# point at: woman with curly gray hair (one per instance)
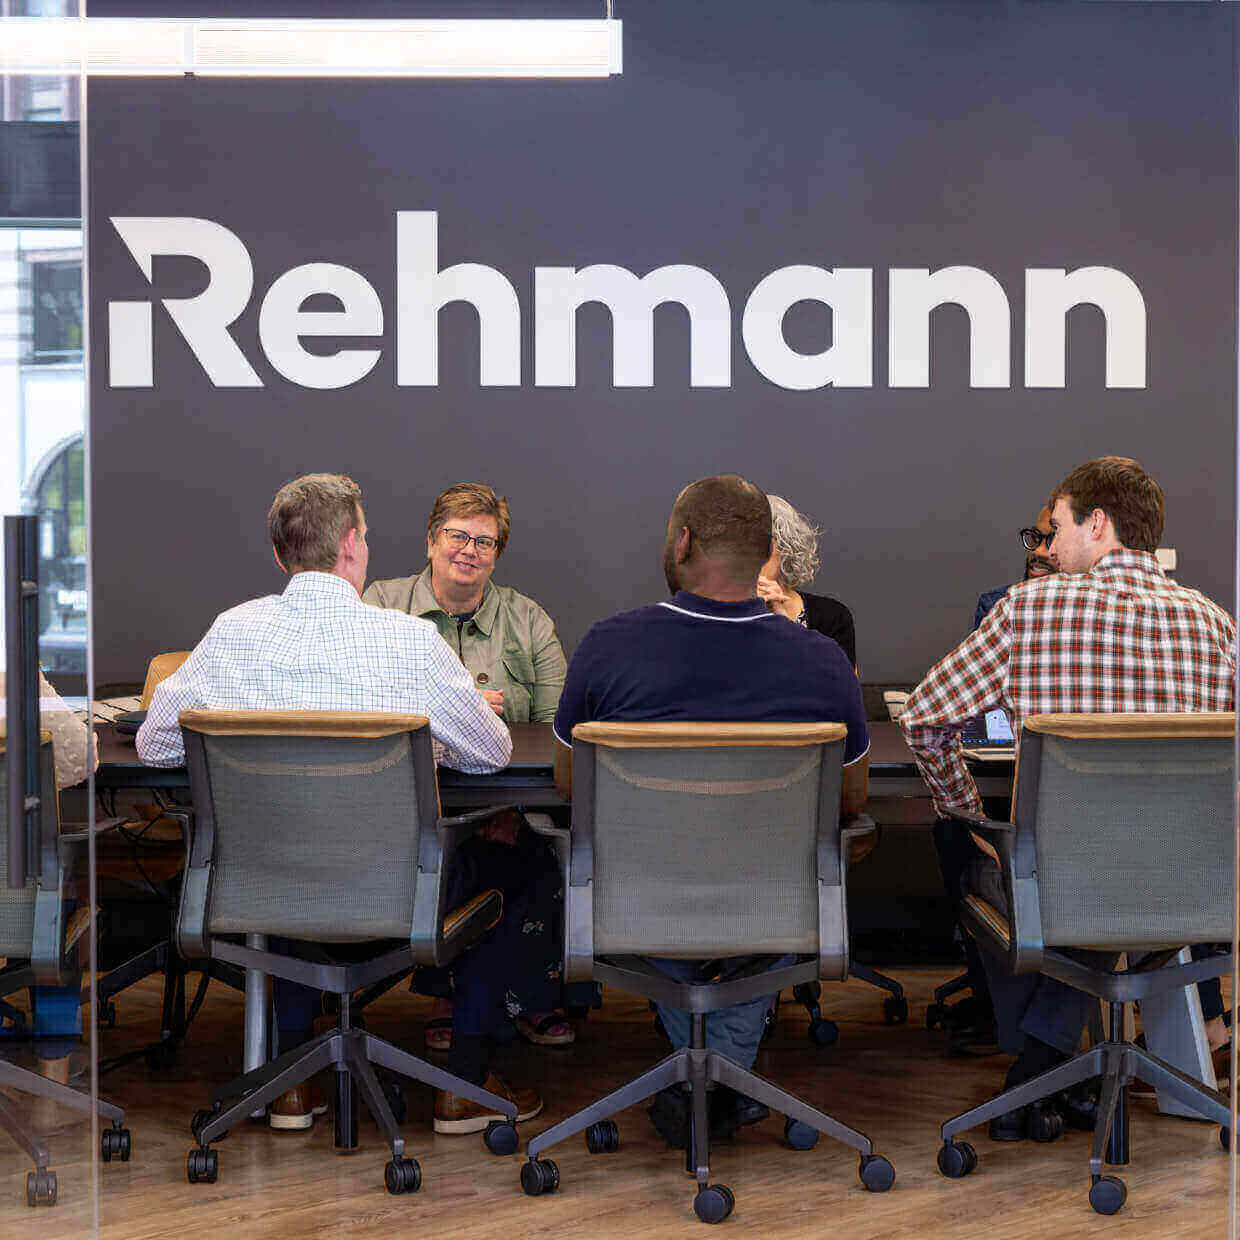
(793, 563)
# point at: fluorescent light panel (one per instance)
(141, 47)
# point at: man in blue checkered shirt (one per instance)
(317, 646)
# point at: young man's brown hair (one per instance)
(1124, 491)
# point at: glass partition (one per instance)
(48, 1137)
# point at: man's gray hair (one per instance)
(796, 540)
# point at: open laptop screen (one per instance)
(990, 730)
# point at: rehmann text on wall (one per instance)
(422, 289)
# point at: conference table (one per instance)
(898, 799)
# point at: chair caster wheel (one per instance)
(538, 1176)
(714, 1203)
(203, 1116)
(957, 1159)
(114, 1143)
(936, 1016)
(800, 1136)
(501, 1137)
(40, 1188)
(895, 1010)
(824, 1032)
(876, 1173)
(603, 1137)
(1224, 1138)
(402, 1175)
(1107, 1194)
(202, 1166)
(161, 1056)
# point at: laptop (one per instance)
(989, 736)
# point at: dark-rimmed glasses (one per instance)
(459, 540)
(1031, 538)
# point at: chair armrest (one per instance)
(47, 945)
(833, 853)
(195, 901)
(69, 840)
(452, 831)
(465, 925)
(1024, 912)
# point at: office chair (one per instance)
(1119, 825)
(705, 841)
(32, 929)
(323, 827)
(161, 957)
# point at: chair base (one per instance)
(41, 1190)
(1116, 1062)
(698, 1067)
(175, 1019)
(354, 1054)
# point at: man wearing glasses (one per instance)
(1109, 631)
(1035, 539)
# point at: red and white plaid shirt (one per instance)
(1121, 637)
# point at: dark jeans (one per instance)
(1031, 1004)
(516, 967)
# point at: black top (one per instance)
(698, 658)
(830, 617)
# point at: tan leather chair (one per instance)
(160, 668)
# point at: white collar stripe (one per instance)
(701, 615)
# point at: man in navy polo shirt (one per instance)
(714, 651)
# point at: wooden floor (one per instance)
(893, 1083)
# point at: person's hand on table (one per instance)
(494, 698)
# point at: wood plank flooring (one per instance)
(894, 1083)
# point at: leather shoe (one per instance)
(455, 1115)
(1039, 1121)
(295, 1109)
(671, 1110)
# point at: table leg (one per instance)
(256, 1017)
(1175, 1031)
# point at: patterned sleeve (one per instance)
(72, 751)
(549, 667)
(159, 739)
(961, 685)
(473, 736)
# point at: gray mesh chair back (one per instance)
(705, 836)
(280, 791)
(715, 842)
(1132, 817)
(17, 905)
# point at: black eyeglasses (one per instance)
(1031, 538)
(460, 540)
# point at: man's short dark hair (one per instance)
(308, 518)
(1124, 491)
(728, 517)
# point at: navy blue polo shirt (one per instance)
(695, 658)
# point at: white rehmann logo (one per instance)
(422, 289)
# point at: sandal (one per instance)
(439, 1033)
(549, 1029)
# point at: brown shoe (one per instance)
(455, 1115)
(294, 1110)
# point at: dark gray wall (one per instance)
(740, 138)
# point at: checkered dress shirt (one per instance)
(317, 646)
(1121, 637)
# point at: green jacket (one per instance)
(509, 643)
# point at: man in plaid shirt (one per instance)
(1108, 632)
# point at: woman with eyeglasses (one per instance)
(505, 639)
(508, 643)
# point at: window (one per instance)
(56, 311)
